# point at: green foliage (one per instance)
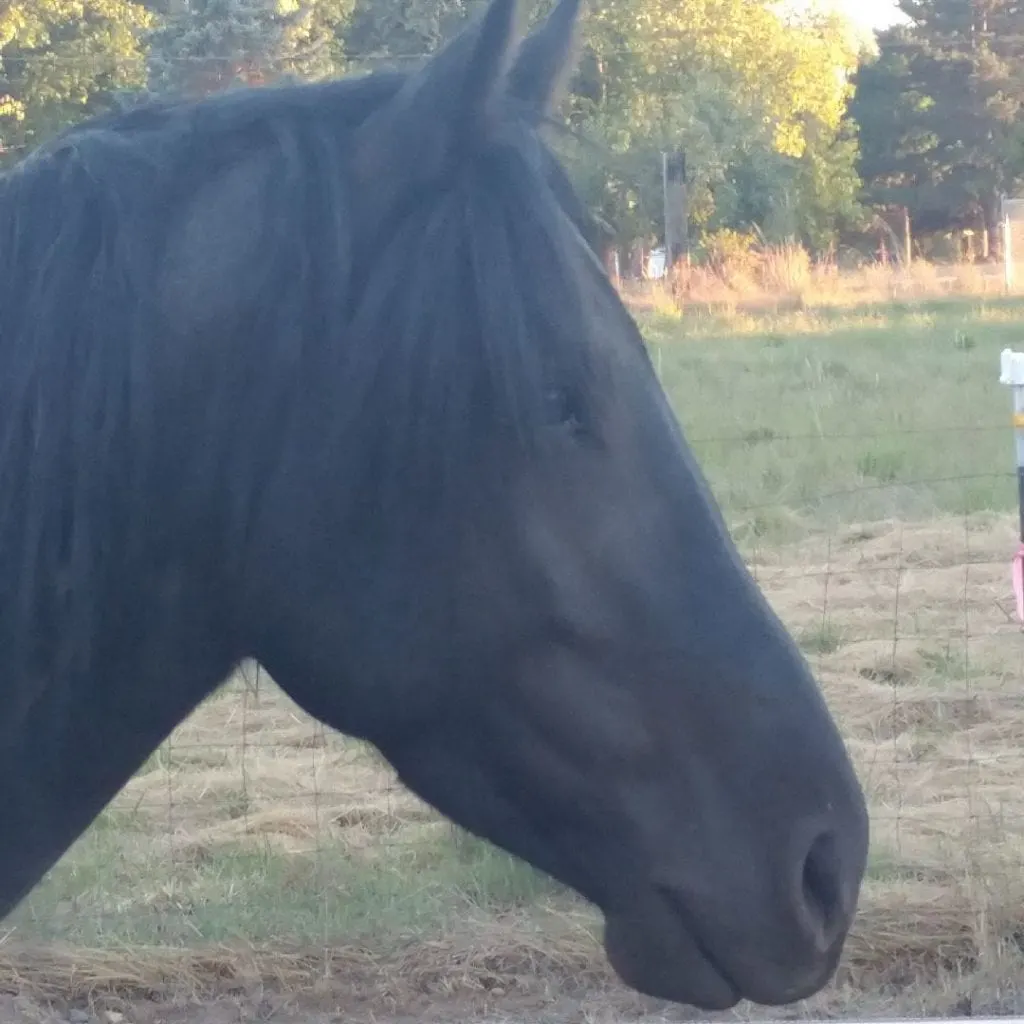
(206, 45)
(728, 248)
(63, 59)
(756, 102)
(785, 74)
(404, 28)
(940, 112)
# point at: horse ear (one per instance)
(546, 59)
(446, 106)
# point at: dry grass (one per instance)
(784, 278)
(259, 856)
(909, 627)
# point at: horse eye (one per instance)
(564, 409)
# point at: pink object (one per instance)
(1018, 581)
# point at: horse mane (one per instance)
(424, 356)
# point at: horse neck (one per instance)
(83, 735)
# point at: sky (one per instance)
(869, 13)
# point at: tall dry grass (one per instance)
(752, 277)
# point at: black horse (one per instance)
(329, 376)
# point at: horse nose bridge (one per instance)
(804, 785)
(774, 755)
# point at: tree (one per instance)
(205, 45)
(729, 81)
(399, 30)
(757, 103)
(813, 197)
(940, 112)
(61, 60)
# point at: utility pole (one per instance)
(677, 236)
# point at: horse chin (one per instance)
(656, 947)
(660, 958)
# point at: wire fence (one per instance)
(254, 823)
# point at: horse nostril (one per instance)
(822, 893)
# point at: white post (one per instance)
(1011, 373)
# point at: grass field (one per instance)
(864, 459)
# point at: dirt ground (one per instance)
(546, 1005)
(280, 1010)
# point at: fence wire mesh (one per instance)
(253, 823)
